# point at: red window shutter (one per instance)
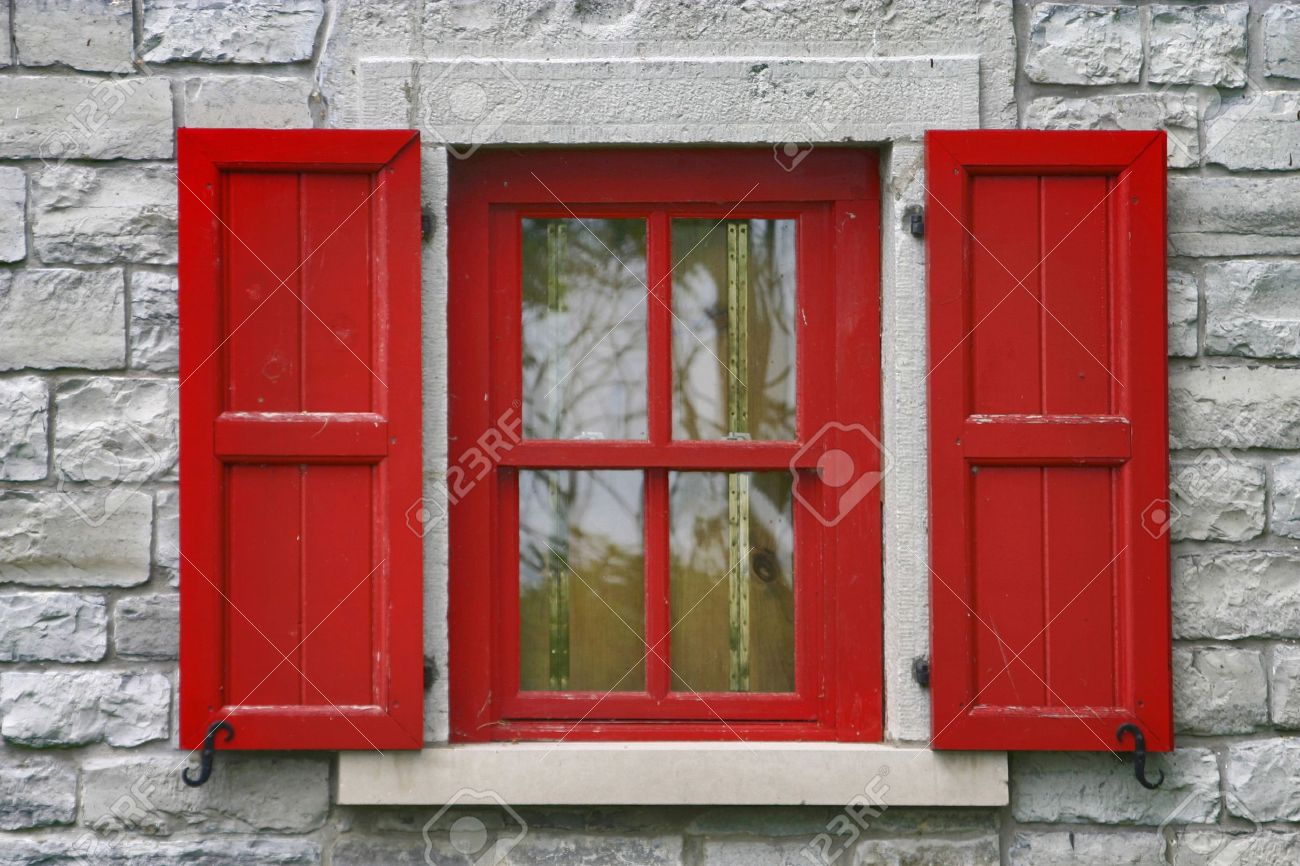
(300, 427)
(1048, 461)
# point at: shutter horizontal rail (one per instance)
(1046, 440)
(355, 437)
(1107, 718)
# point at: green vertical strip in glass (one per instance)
(557, 558)
(738, 427)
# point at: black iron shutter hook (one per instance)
(1139, 756)
(205, 757)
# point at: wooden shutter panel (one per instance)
(300, 426)
(1048, 463)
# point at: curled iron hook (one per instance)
(205, 757)
(1139, 756)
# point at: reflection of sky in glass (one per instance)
(582, 626)
(702, 571)
(698, 524)
(604, 514)
(584, 347)
(584, 322)
(700, 377)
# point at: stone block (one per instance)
(1198, 45)
(1216, 496)
(1093, 787)
(95, 36)
(59, 317)
(13, 215)
(1219, 690)
(155, 323)
(238, 31)
(248, 100)
(1252, 308)
(57, 117)
(147, 626)
(84, 215)
(74, 538)
(52, 626)
(249, 793)
(24, 420)
(1236, 594)
(115, 432)
(1075, 43)
(73, 708)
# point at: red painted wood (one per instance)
(1047, 439)
(855, 666)
(837, 607)
(301, 586)
(1050, 601)
(268, 436)
(659, 383)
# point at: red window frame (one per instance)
(834, 195)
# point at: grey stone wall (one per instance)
(91, 92)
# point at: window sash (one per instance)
(827, 273)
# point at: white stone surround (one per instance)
(882, 103)
(633, 774)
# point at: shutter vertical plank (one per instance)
(337, 335)
(337, 596)
(261, 317)
(1080, 580)
(264, 569)
(1005, 339)
(301, 587)
(1004, 321)
(1008, 602)
(1050, 599)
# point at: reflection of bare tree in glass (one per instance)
(584, 371)
(700, 557)
(584, 368)
(701, 373)
(584, 362)
(771, 327)
(601, 539)
(734, 378)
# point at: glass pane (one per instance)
(732, 560)
(581, 581)
(734, 329)
(584, 328)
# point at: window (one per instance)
(663, 407)
(663, 418)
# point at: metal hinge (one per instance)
(921, 671)
(914, 219)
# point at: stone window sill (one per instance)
(675, 774)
